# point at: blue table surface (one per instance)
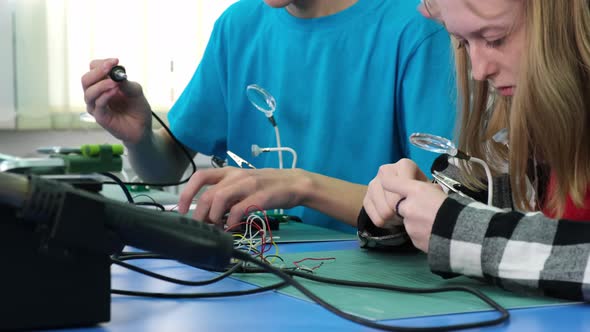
(272, 311)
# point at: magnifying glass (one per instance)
(438, 144)
(262, 100)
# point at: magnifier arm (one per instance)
(279, 146)
(489, 176)
(256, 150)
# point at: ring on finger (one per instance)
(397, 207)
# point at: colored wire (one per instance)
(296, 263)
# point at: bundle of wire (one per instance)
(256, 238)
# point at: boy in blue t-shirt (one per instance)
(352, 79)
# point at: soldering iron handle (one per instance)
(171, 234)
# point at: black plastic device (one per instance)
(55, 243)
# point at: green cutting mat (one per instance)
(405, 269)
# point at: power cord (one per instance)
(285, 275)
(184, 151)
(127, 193)
(199, 295)
(121, 184)
(130, 256)
(120, 262)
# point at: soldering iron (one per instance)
(118, 74)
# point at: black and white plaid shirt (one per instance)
(523, 252)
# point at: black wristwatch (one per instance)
(373, 237)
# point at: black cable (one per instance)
(145, 195)
(184, 151)
(288, 274)
(402, 289)
(119, 74)
(158, 205)
(125, 255)
(411, 290)
(199, 295)
(130, 198)
(180, 145)
(121, 184)
(120, 262)
(130, 256)
(369, 323)
(152, 203)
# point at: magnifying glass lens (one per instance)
(433, 143)
(85, 117)
(261, 99)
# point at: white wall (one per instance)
(7, 102)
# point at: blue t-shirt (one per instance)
(349, 88)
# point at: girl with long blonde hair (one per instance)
(523, 67)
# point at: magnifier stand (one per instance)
(437, 144)
(256, 150)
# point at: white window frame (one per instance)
(7, 81)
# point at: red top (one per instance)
(571, 212)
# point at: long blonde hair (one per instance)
(548, 117)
